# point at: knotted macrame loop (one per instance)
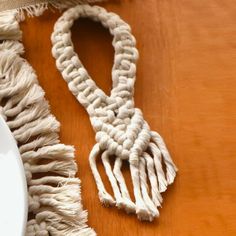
(121, 131)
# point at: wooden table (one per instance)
(186, 88)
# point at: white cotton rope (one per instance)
(54, 196)
(121, 131)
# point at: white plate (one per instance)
(13, 188)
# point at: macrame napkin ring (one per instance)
(121, 131)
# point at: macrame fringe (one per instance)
(54, 191)
(155, 167)
(9, 27)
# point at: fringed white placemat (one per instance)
(53, 190)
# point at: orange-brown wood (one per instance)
(186, 88)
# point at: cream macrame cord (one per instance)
(121, 130)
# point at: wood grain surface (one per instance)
(186, 88)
